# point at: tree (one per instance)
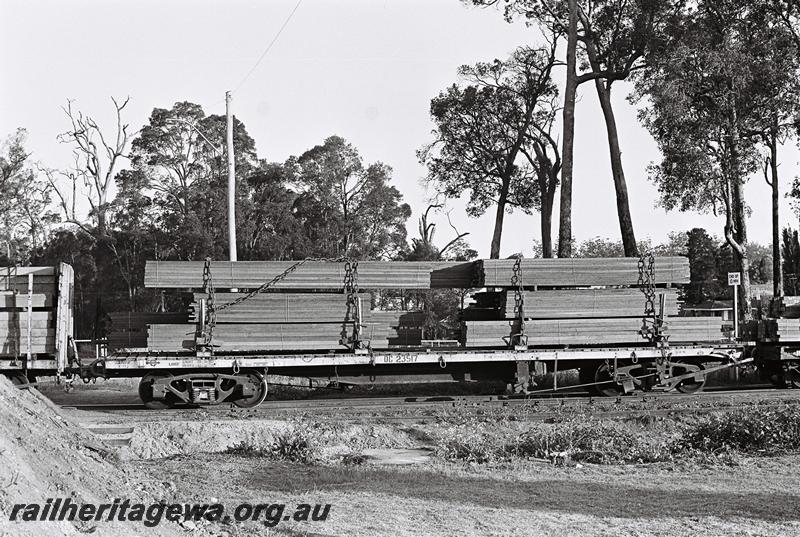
(704, 94)
(96, 157)
(269, 229)
(179, 164)
(441, 306)
(568, 127)
(547, 165)
(774, 25)
(701, 249)
(424, 249)
(791, 260)
(25, 213)
(600, 247)
(484, 136)
(345, 208)
(614, 37)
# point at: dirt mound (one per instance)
(45, 455)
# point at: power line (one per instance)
(274, 39)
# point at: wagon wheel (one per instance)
(146, 393)
(609, 388)
(258, 386)
(689, 385)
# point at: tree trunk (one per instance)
(565, 208)
(740, 224)
(617, 172)
(620, 186)
(498, 220)
(101, 218)
(777, 265)
(547, 224)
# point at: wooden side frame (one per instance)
(64, 315)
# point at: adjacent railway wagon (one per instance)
(617, 320)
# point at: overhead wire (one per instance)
(269, 46)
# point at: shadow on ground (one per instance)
(574, 495)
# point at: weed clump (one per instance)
(293, 444)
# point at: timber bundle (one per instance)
(579, 302)
(565, 302)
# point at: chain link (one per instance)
(519, 304)
(353, 314)
(212, 309)
(650, 331)
(210, 320)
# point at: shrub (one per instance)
(470, 446)
(292, 444)
(757, 430)
(246, 449)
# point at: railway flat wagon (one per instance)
(347, 322)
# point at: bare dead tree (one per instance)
(96, 160)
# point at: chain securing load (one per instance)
(353, 315)
(353, 304)
(518, 337)
(668, 375)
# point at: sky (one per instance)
(362, 69)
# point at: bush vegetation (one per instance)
(756, 430)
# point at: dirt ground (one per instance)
(188, 461)
(758, 498)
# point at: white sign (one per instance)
(734, 278)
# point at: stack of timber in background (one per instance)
(580, 302)
(28, 300)
(128, 330)
(305, 311)
(785, 330)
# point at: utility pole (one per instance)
(231, 180)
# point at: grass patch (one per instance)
(756, 430)
(576, 438)
(716, 438)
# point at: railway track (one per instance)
(438, 407)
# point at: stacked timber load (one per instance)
(381, 328)
(587, 303)
(580, 272)
(580, 302)
(581, 332)
(306, 310)
(128, 330)
(28, 310)
(251, 336)
(310, 275)
(281, 307)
